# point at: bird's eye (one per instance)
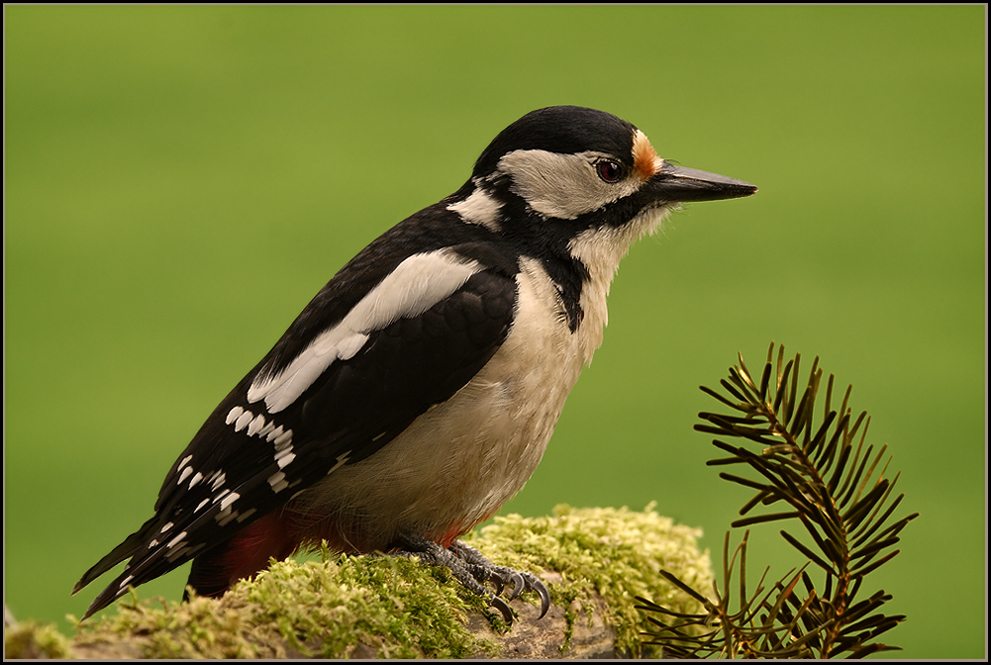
(609, 170)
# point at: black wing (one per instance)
(253, 454)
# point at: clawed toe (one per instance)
(504, 609)
(518, 583)
(545, 596)
(473, 570)
(484, 571)
(530, 582)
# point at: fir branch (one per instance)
(834, 485)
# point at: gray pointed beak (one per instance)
(679, 184)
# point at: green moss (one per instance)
(616, 552)
(395, 607)
(382, 606)
(31, 640)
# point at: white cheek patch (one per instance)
(564, 186)
(416, 285)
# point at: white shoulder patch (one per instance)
(416, 285)
(479, 208)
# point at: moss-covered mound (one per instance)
(594, 560)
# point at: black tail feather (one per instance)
(127, 549)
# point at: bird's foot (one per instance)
(473, 570)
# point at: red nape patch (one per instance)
(242, 555)
(645, 159)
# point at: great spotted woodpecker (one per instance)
(416, 393)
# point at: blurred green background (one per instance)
(180, 181)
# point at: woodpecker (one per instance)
(416, 393)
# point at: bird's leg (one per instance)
(472, 570)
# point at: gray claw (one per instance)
(545, 597)
(498, 583)
(519, 584)
(504, 609)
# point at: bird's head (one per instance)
(581, 176)
(569, 161)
